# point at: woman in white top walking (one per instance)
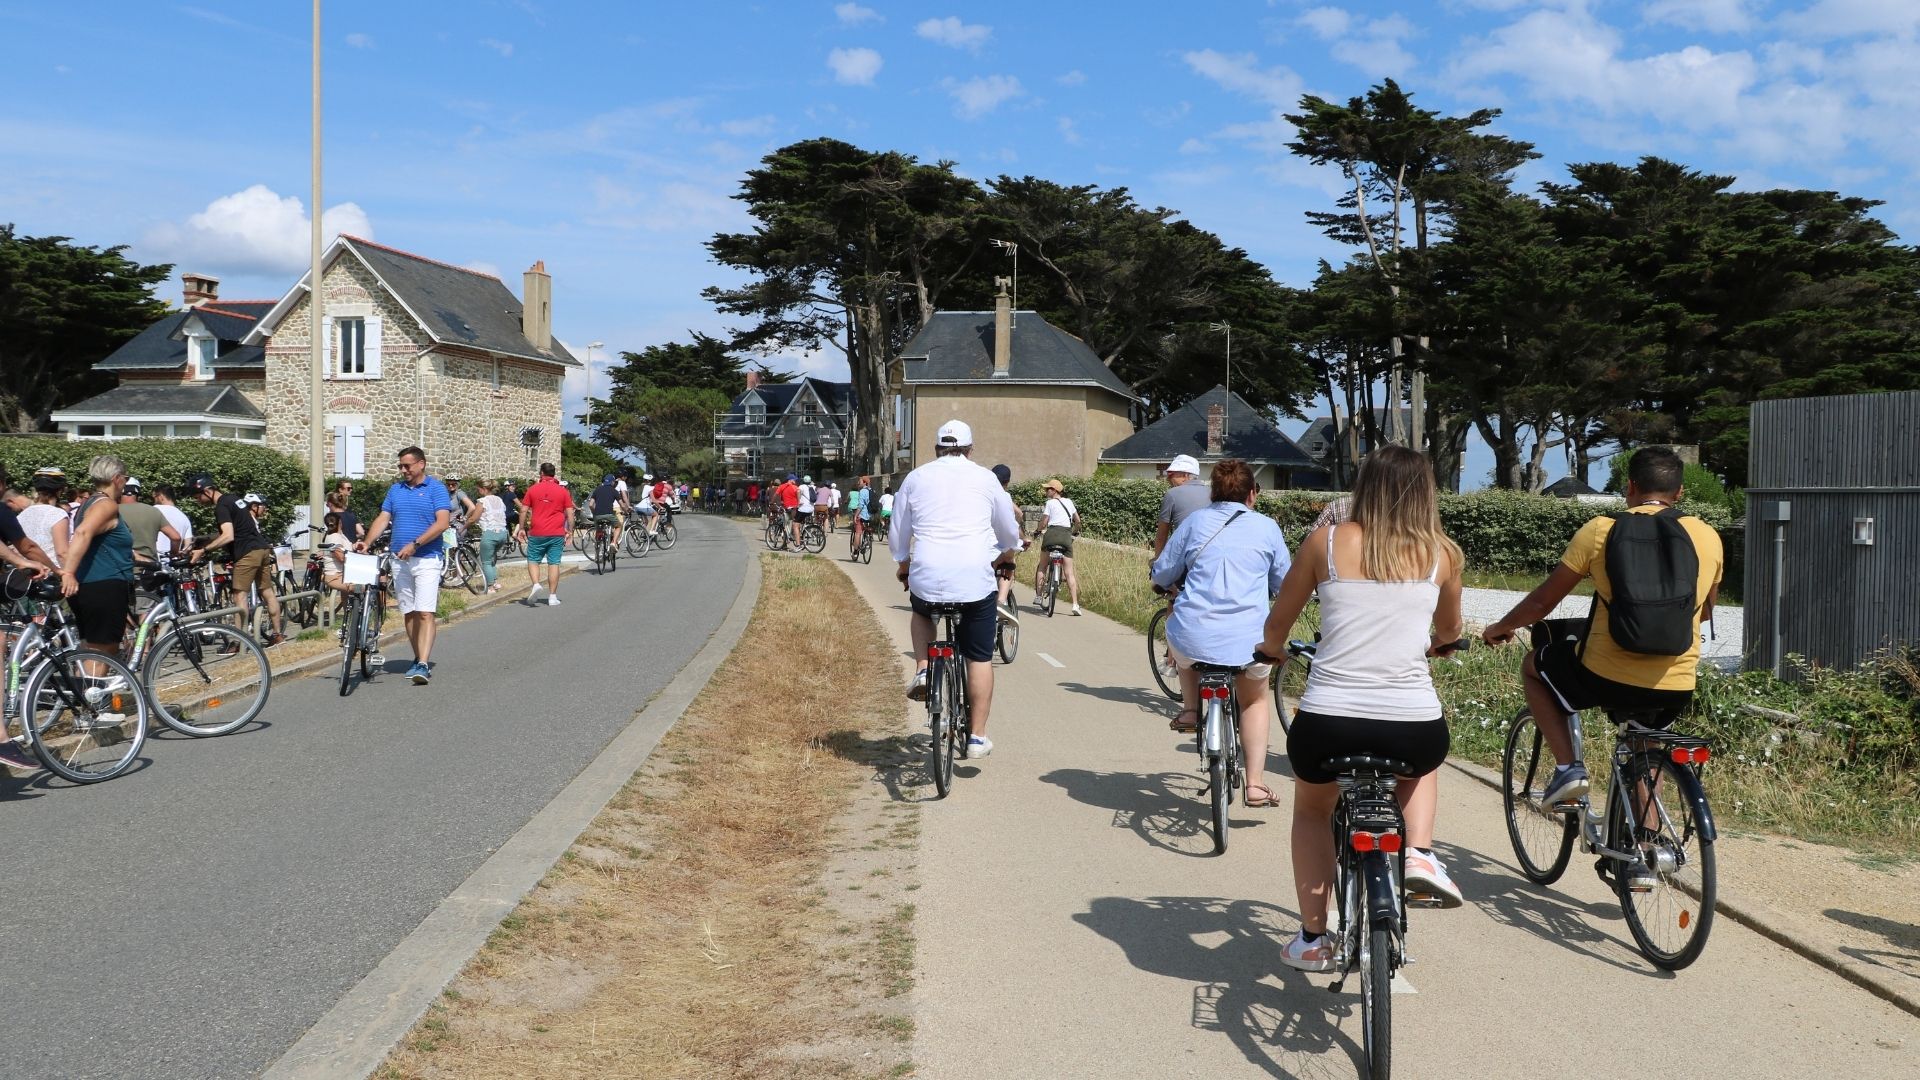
(1389, 585)
(493, 533)
(1056, 530)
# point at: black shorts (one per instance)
(100, 611)
(978, 620)
(1558, 663)
(1315, 737)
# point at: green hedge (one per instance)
(235, 467)
(1498, 530)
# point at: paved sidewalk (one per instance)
(1072, 923)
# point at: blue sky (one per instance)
(606, 138)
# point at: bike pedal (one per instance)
(1424, 900)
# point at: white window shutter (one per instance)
(356, 458)
(373, 346)
(339, 451)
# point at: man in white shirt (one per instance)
(163, 502)
(952, 524)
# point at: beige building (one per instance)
(418, 353)
(1038, 399)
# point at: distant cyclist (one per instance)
(462, 510)
(1004, 474)
(1058, 522)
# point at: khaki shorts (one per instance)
(255, 567)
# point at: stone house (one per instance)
(421, 353)
(1037, 398)
(770, 430)
(1217, 424)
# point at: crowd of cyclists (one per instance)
(1388, 582)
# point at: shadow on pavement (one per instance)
(1280, 1019)
(1541, 911)
(1147, 701)
(1164, 809)
(899, 762)
(1899, 935)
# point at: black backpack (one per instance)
(1655, 573)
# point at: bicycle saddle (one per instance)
(1217, 669)
(1641, 721)
(946, 607)
(47, 589)
(1056, 549)
(1365, 763)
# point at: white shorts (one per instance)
(416, 583)
(1251, 671)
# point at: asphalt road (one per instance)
(194, 917)
(1100, 938)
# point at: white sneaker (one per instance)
(1301, 956)
(1427, 878)
(553, 601)
(534, 594)
(1076, 609)
(917, 691)
(978, 746)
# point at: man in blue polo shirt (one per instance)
(419, 510)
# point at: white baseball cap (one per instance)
(1185, 463)
(954, 433)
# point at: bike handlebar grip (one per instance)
(1262, 658)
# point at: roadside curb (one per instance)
(1767, 922)
(362, 1028)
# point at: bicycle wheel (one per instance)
(375, 618)
(1219, 784)
(866, 549)
(1052, 592)
(813, 539)
(1287, 683)
(636, 541)
(451, 572)
(206, 680)
(940, 736)
(1159, 657)
(669, 533)
(349, 644)
(470, 569)
(1670, 917)
(776, 538)
(85, 727)
(1376, 1003)
(1542, 839)
(1007, 640)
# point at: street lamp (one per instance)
(1227, 328)
(591, 345)
(1012, 247)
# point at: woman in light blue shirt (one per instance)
(1228, 561)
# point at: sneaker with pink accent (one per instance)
(1301, 955)
(1427, 881)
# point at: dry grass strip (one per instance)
(691, 931)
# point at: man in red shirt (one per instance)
(789, 495)
(545, 507)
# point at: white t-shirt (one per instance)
(493, 514)
(886, 502)
(806, 499)
(953, 519)
(833, 498)
(332, 542)
(38, 520)
(620, 489)
(1060, 511)
(176, 518)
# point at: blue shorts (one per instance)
(978, 621)
(545, 549)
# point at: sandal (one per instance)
(1265, 800)
(1189, 727)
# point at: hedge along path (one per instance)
(738, 909)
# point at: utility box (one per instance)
(1833, 537)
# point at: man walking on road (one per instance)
(545, 506)
(418, 508)
(952, 524)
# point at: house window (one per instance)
(754, 461)
(224, 431)
(530, 442)
(353, 346)
(201, 353)
(91, 431)
(153, 431)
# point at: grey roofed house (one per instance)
(957, 347)
(773, 428)
(1568, 487)
(163, 346)
(163, 402)
(1248, 434)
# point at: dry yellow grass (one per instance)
(689, 931)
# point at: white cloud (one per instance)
(982, 94)
(1068, 132)
(753, 125)
(1371, 45)
(854, 67)
(1242, 74)
(1072, 78)
(854, 14)
(1327, 22)
(955, 34)
(255, 231)
(360, 41)
(1196, 146)
(1851, 18)
(504, 48)
(1716, 16)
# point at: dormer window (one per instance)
(201, 353)
(756, 411)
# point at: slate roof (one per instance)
(455, 305)
(168, 399)
(1317, 440)
(836, 396)
(1567, 487)
(163, 346)
(957, 346)
(1250, 436)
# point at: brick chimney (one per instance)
(199, 289)
(536, 306)
(1216, 430)
(1002, 330)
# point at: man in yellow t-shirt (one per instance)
(1562, 677)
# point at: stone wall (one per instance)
(1036, 430)
(442, 400)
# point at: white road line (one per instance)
(1401, 985)
(1049, 659)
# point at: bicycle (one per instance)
(201, 678)
(1006, 630)
(813, 539)
(1049, 590)
(81, 712)
(1218, 738)
(1289, 680)
(365, 614)
(1159, 654)
(1654, 851)
(949, 721)
(462, 566)
(606, 547)
(778, 537)
(666, 534)
(861, 551)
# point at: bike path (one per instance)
(1071, 922)
(194, 917)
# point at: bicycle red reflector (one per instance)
(1696, 755)
(1365, 841)
(1390, 842)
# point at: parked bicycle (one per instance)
(360, 625)
(201, 678)
(1653, 836)
(460, 566)
(81, 712)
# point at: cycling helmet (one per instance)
(198, 483)
(607, 479)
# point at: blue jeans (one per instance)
(489, 544)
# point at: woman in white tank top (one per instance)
(1389, 585)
